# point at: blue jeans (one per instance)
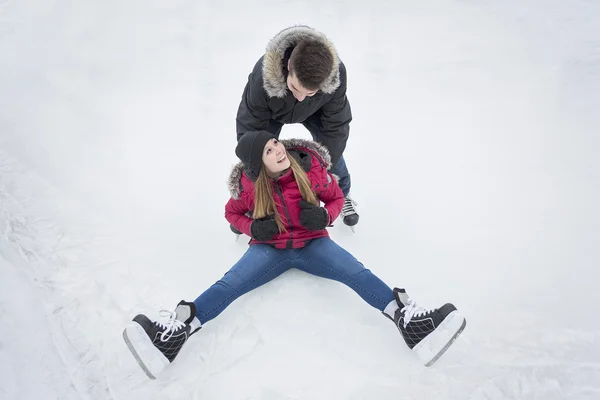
(341, 171)
(261, 263)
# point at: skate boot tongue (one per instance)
(411, 309)
(170, 323)
(185, 311)
(401, 297)
(408, 307)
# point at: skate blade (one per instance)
(437, 342)
(150, 359)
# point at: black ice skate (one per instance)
(429, 333)
(349, 214)
(155, 344)
(234, 230)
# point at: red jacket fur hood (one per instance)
(315, 160)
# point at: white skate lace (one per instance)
(170, 324)
(412, 310)
(348, 208)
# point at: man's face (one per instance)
(299, 92)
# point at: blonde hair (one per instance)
(264, 203)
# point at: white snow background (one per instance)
(474, 153)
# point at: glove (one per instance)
(263, 229)
(313, 217)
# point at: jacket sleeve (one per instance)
(253, 112)
(335, 120)
(235, 213)
(333, 198)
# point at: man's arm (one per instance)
(335, 120)
(253, 113)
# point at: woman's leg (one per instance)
(260, 264)
(324, 258)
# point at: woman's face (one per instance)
(275, 157)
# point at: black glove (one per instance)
(263, 229)
(313, 217)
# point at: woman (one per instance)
(275, 199)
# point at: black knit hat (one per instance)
(250, 149)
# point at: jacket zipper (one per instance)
(290, 242)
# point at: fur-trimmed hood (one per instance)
(274, 80)
(235, 177)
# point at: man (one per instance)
(301, 79)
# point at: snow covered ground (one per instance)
(474, 154)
